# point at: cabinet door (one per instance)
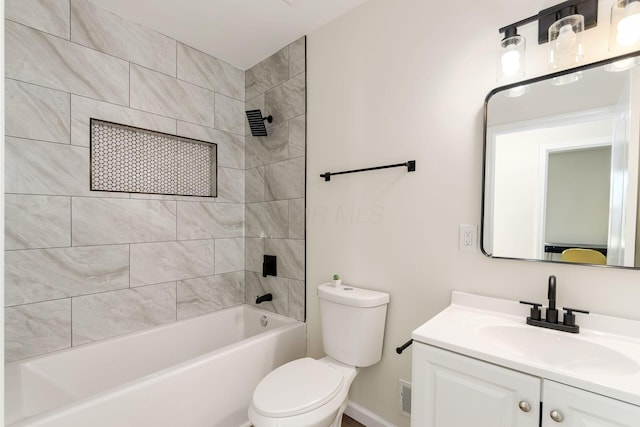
(579, 408)
(450, 390)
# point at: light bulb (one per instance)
(629, 26)
(511, 57)
(566, 38)
(510, 62)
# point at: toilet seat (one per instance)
(297, 387)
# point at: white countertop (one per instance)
(603, 358)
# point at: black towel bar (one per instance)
(410, 165)
(403, 347)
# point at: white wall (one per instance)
(395, 80)
(521, 180)
(577, 209)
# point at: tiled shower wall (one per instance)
(275, 180)
(83, 266)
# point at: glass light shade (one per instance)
(566, 79)
(511, 58)
(565, 42)
(622, 65)
(516, 91)
(625, 25)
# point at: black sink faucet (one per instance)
(552, 312)
(551, 319)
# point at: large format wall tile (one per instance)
(296, 218)
(50, 16)
(267, 74)
(254, 185)
(36, 329)
(46, 274)
(284, 180)
(107, 32)
(229, 255)
(230, 146)
(83, 109)
(263, 150)
(230, 114)
(169, 261)
(69, 67)
(230, 185)
(253, 254)
(109, 221)
(297, 137)
(36, 112)
(287, 100)
(206, 294)
(296, 299)
(108, 314)
(204, 70)
(35, 167)
(158, 93)
(297, 57)
(36, 221)
(270, 219)
(209, 220)
(256, 285)
(290, 255)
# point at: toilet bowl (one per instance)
(314, 393)
(305, 392)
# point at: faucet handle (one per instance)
(535, 310)
(570, 318)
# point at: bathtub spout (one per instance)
(263, 298)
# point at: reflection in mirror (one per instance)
(561, 167)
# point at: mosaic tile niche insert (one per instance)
(133, 160)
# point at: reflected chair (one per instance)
(583, 256)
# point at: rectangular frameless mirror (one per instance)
(561, 160)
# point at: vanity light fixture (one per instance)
(565, 38)
(511, 55)
(561, 25)
(625, 24)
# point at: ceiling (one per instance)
(240, 32)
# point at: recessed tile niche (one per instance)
(133, 160)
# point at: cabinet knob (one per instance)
(556, 416)
(524, 406)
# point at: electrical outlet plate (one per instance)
(468, 238)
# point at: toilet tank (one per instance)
(352, 321)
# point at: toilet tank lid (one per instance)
(352, 296)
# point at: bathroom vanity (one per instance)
(477, 363)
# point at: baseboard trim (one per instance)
(366, 417)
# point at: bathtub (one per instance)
(191, 373)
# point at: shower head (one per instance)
(256, 122)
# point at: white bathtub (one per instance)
(196, 372)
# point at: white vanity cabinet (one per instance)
(451, 390)
(580, 408)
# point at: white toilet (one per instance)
(313, 393)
